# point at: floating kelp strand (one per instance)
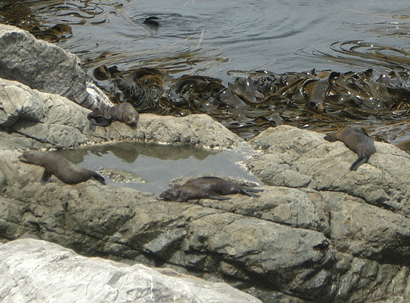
(88, 10)
(364, 54)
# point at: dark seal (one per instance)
(152, 21)
(357, 140)
(123, 112)
(206, 187)
(56, 165)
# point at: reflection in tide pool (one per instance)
(157, 165)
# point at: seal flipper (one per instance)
(362, 159)
(99, 120)
(45, 177)
(217, 198)
(253, 190)
(247, 191)
(92, 125)
(99, 178)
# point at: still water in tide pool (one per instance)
(151, 167)
(279, 36)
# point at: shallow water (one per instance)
(159, 164)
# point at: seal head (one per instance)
(123, 112)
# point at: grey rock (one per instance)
(318, 233)
(40, 65)
(39, 271)
(366, 231)
(282, 205)
(300, 158)
(309, 245)
(201, 239)
(49, 120)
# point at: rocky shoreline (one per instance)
(318, 233)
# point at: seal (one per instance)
(206, 187)
(152, 21)
(357, 140)
(123, 112)
(60, 167)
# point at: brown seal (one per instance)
(357, 140)
(56, 165)
(206, 187)
(123, 112)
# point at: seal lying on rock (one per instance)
(357, 140)
(123, 112)
(206, 187)
(56, 165)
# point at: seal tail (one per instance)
(99, 178)
(362, 159)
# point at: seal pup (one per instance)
(357, 140)
(206, 187)
(123, 112)
(60, 167)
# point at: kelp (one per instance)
(260, 99)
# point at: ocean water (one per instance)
(221, 36)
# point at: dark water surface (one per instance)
(279, 36)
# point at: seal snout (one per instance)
(25, 157)
(169, 194)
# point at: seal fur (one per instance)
(357, 140)
(123, 112)
(56, 165)
(206, 187)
